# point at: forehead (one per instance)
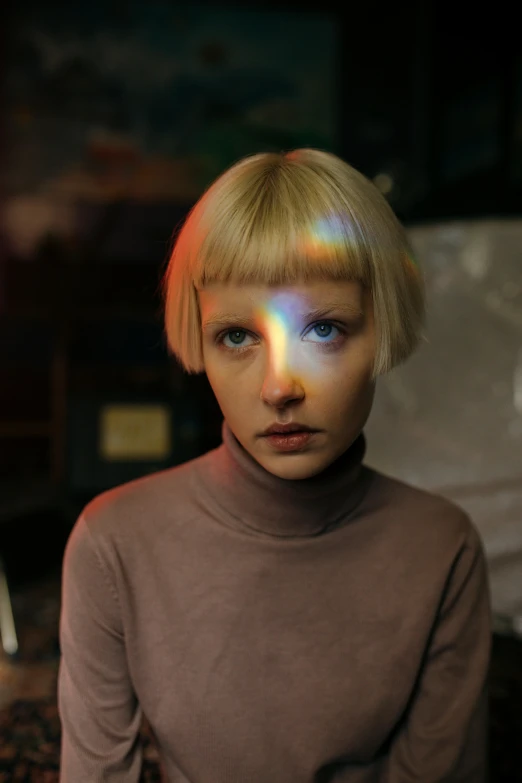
(243, 298)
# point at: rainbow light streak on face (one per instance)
(281, 319)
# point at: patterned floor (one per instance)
(30, 726)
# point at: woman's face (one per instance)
(298, 353)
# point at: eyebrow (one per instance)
(224, 318)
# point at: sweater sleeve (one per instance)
(99, 713)
(443, 738)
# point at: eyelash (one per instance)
(241, 349)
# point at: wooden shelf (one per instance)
(48, 314)
(66, 299)
(25, 429)
(18, 497)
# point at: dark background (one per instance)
(428, 103)
(428, 95)
(428, 98)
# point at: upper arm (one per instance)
(444, 734)
(98, 709)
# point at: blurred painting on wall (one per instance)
(146, 103)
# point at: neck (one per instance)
(250, 497)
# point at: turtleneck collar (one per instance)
(252, 497)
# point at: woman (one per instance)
(280, 612)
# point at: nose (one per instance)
(281, 386)
(281, 383)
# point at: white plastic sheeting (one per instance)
(450, 419)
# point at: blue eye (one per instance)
(233, 333)
(324, 329)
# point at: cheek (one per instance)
(214, 376)
(224, 385)
(349, 386)
(218, 381)
(352, 370)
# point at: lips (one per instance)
(293, 441)
(287, 429)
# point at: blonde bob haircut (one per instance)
(281, 218)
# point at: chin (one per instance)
(293, 467)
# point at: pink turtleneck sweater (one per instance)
(327, 630)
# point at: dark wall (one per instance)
(432, 93)
(429, 102)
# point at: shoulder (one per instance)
(425, 521)
(424, 543)
(135, 513)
